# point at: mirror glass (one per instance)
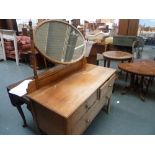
(59, 41)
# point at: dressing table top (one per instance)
(61, 96)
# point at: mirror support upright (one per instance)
(33, 53)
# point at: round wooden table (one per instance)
(139, 70)
(139, 67)
(116, 55)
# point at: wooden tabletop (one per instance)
(139, 67)
(117, 55)
(60, 96)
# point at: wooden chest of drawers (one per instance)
(69, 105)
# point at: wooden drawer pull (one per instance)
(86, 106)
(87, 121)
(107, 97)
(110, 85)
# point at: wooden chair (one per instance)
(137, 47)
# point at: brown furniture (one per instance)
(23, 46)
(18, 101)
(128, 27)
(66, 99)
(41, 61)
(96, 48)
(117, 56)
(9, 24)
(141, 71)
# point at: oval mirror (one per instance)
(59, 41)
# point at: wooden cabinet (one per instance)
(128, 27)
(67, 99)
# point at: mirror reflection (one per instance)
(59, 41)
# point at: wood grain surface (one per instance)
(139, 67)
(66, 95)
(117, 55)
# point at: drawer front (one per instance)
(106, 89)
(83, 108)
(86, 120)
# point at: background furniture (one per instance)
(95, 49)
(137, 47)
(117, 56)
(128, 27)
(41, 61)
(11, 35)
(127, 32)
(123, 42)
(9, 24)
(140, 71)
(1, 52)
(23, 46)
(18, 101)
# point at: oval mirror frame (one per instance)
(43, 52)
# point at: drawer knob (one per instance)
(107, 97)
(86, 106)
(87, 121)
(110, 85)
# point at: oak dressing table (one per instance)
(66, 98)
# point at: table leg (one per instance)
(141, 88)
(105, 61)
(136, 84)
(131, 85)
(126, 77)
(108, 65)
(148, 84)
(132, 80)
(106, 108)
(22, 115)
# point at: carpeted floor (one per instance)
(129, 115)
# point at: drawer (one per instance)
(106, 89)
(83, 109)
(86, 120)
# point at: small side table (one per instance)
(18, 101)
(117, 56)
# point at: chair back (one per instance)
(137, 47)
